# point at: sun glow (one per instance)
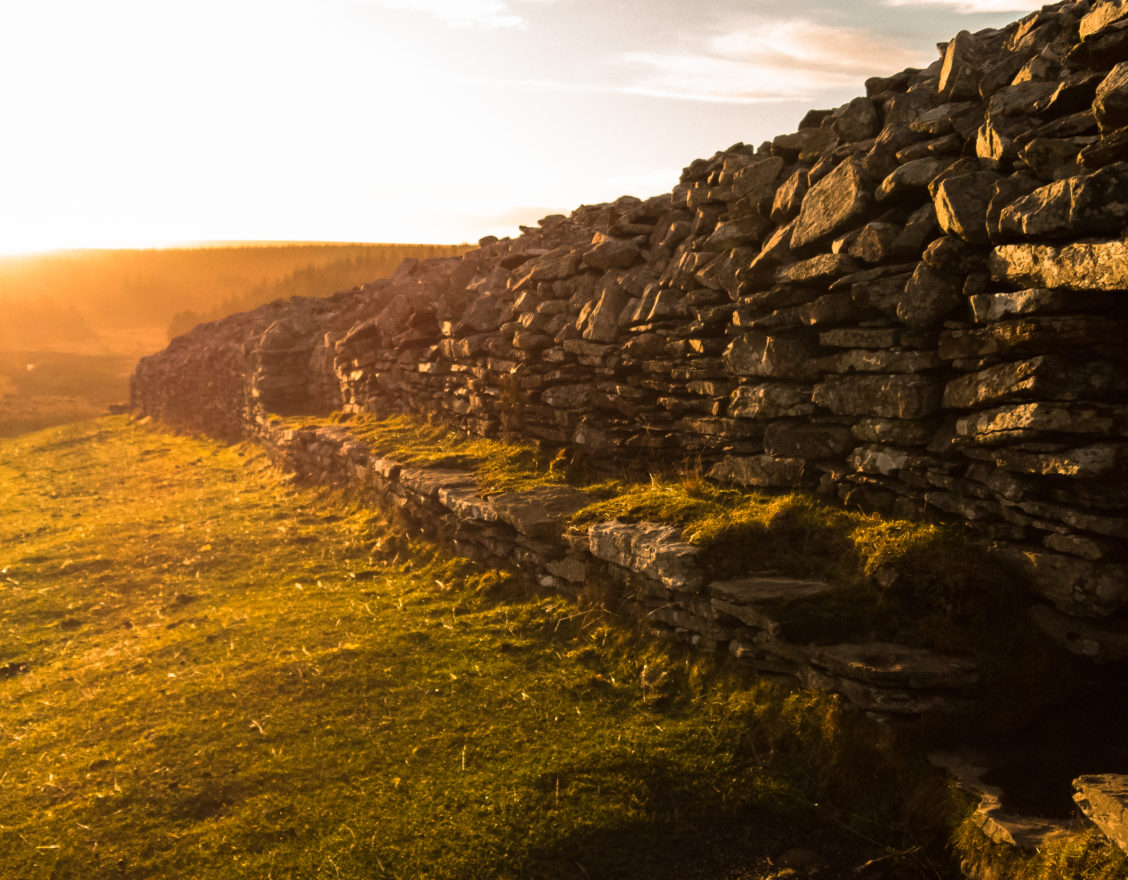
(133, 123)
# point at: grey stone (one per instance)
(997, 140)
(897, 432)
(963, 60)
(771, 400)
(1101, 265)
(884, 663)
(911, 179)
(1099, 461)
(1054, 158)
(885, 396)
(919, 228)
(989, 307)
(737, 233)
(1030, 336)
(961, 204)
(652, 549)
(1083, 636)
(1111, 147)
(805, 144)
(856, 121)
(759, 354)
(928, 297)
(539, 513)
(611, 253)
(1019, 99)
(887, 461)
(427, 482)
(1100, 17)
(1103, 799)
(1074, 586)
(839, 200)
(789, 197)
(757, 180)
(1081, 205)
(861, 360)
(806, 440)
(875, 242)
(1019, 421)
(603, 322)
(759, 470)
(1111, 104)
(759, 589)
(883, 293)
(815, 269)
(861, 337)
(1043, 377)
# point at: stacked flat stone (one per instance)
(649, 570)
(914, 304)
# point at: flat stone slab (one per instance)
(1104, 800)
(428, 481)
(884, 663)
(385, 467)
(467, 504)
(649, 548)
(539, 512)
(1086, 637)
(765, 588)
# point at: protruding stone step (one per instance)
(1104, 800)
(539, 512)
(649, 548)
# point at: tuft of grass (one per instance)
(501, 466)
(1083, 855)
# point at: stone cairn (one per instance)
(915, 304)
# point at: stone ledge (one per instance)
(654, 571)
(1104, 800)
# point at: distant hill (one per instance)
(73, 323)
(125, 301)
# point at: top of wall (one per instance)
(916, 303)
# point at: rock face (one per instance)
(917, 304)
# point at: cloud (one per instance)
(483, 14)
(767, 61)
(968, 7)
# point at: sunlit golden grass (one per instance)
(205, 673)
(923, 583)
(500, 465)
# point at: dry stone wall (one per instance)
(915, 304)
(652, 574)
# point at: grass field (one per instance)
(39, 389)
(207, 672)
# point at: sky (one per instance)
(140, 123)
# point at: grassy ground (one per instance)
(43, 388)
(915, 583)
(207, 673)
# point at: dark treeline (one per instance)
(352, 266)
(104, 298)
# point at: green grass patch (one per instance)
(501, 466)
(206, 672)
